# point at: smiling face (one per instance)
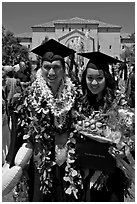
(95, 80)
(53, 73)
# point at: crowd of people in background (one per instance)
(16, 80)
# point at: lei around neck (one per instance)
(65, 97)
(39, 132)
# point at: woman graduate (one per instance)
(106, 157)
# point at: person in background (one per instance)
(12, 85)
(123, 71)
(35, 68)
(16, 68)
(5, 126)
(23, 73)
(12, 92)
(131, 87)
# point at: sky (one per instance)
(19, 17)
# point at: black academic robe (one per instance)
(112, 192)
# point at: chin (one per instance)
(51, 83)
(94, 92)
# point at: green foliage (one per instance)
(129, 52)
(12, 51)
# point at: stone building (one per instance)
(80, 34)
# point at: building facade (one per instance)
(80, 34)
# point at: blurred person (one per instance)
(22, 73)
(131, 87)
(5, 127)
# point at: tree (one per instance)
(132, 37)
(12, 51)
(128, 55)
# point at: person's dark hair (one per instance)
(63, 63)
(108, 92)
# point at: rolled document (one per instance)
(23, 155)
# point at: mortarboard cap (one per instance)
(52, 50)
(99, 59)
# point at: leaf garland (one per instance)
(35, 109)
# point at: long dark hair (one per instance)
(108, 92)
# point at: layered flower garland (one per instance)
(37, 106)
(61, 104)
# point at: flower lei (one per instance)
(61, 104)
(116, 125)
(41, 130)
(72, 175)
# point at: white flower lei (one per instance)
(63, 102)
(70, 170)
(66, 98)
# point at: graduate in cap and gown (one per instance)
(45, 132)
(108, 172)
(97, 83)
